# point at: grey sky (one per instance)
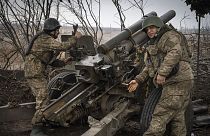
(160, 6)
(110, 18)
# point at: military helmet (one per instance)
(51, 24)
(153, 20)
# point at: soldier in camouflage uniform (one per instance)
(167, 62)
(39, 55)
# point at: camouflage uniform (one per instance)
(43, 50)
(167, 51)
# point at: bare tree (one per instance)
(19, 20)
(88, 13)
(182, 19)
(57, 9)
(130, 4)
(139, 4)
(7, 55)
(120, 13)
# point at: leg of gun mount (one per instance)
(112, 122)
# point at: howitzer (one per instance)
(96, 78)
(97, 90)
(100, 79)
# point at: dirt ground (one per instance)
(23, 128)
(13, 88)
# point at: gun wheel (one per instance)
(61, 82)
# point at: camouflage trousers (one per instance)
(171, 108)
(39, 90)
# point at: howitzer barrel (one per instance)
(141, 37)
(125, 34)
(168, 16)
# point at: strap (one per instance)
(29, 47)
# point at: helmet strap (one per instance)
(51, 33)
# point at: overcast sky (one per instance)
(109, 18)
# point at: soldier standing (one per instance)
(39, 55)
(167, 63)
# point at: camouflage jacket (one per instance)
(43, 51)
(161, 57)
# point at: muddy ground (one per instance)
(14, 90)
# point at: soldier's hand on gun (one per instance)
(78, 34)
(160, 79)
(132, 85)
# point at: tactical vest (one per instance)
(154, 56)
(152, 59)
(46, 57)
(187, 53)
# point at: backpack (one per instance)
(184, 44)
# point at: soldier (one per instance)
(39, 55)
(167, 63)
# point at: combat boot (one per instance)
(38, 130)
